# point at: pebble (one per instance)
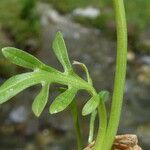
(130, 56)
(89, 12)
(121, 142)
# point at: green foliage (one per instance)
(91, 105)
(41, 100)
(60, 50)
(63, 100)
(45, 75)
(21, 58)
(18, 83)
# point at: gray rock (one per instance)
(88, 12)
(18, 114)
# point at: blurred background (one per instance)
(89, 31)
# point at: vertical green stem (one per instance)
(120, 74)
(92, 123)
(102, 126)
(74, 112)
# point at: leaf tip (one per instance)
(59, 33)
(53, 111)
(36, 114)
(91, 105)
(4, 50)
(84, 112)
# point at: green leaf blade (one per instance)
(91, 105)
(60, 50)
(63, 100)
(18, 83)
(40, 101)
(21, 58)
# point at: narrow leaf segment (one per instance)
(63, 100)
(91, 105)
(21, 58)
(60, 50)
(18, 83)
(41, 99)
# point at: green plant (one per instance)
(46, 75)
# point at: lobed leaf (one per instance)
(41, 100)
(63, 100)
(60, 50)
(21, 58)
(91, 105)
(18, 83)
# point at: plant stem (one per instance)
(75, 117)
(92, 121)
(120, 74)
(102, 126)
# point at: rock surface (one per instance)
(89, 12)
